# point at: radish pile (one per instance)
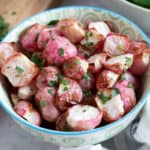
(72, 76)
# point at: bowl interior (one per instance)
(84, 14)
(142, 8)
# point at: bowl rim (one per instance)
(141, 8)
(77, 133)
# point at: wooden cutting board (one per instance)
(14, 11)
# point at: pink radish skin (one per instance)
(75, 67)
(130, 78)
(59, 50)
(112, 108)
(7, 50)
(45, 98)
(29, 37)
(69, 93)
(46, 76)
(26, 110)
(45, 35)
(83, 117)
(127, 94)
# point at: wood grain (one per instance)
(14, 11)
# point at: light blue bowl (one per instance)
(71, 139)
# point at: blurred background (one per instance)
(11, 13)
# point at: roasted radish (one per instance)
(75, 67)
(120, 63)
(84, 117)
(58, 50)
(26, 110)
(106, 79)
(69, 93)
(45, 98)
(19, 70)
(110, 103)
(71, 29)
(96, 62)
(127, 93)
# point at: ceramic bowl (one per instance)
(138, 14)
(74, 139)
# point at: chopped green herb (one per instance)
(60, 77)
(120, 47)
(122, 77)
(78, 62)
(65, 89)
(103, 97)
(114, 92)
(50, 91)
(53, 83)
(43, 103)
(88, 44)
(87, 93)
(37, 60)
(61, 51)
(130, 85)
(3, 27)
(128, 61)
(53, 23)
(88, 35)
(64, 82)
(86, 77)
(19, 69)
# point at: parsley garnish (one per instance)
(3, 27)
(128, 61)
(61, 51)
(37, 60)
(64, 82)
(60, 77)
(88, 35)
(88, 44)
(130, 85)
(43, 103)
(114, 92)
(78, 62)
(19, 69)
(86, 77)
(53, 83)
(120, 47)
(65, 89)
(105, 98)
(87, 93)
(122, 77)
(50, 91)
(53, 23)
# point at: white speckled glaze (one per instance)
(75, 139)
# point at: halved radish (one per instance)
(120, 63)
(106, 79)
(26, 110)
(19, 70)
(116, 44)
(110, 103)
(83, 117)
(71, 29)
